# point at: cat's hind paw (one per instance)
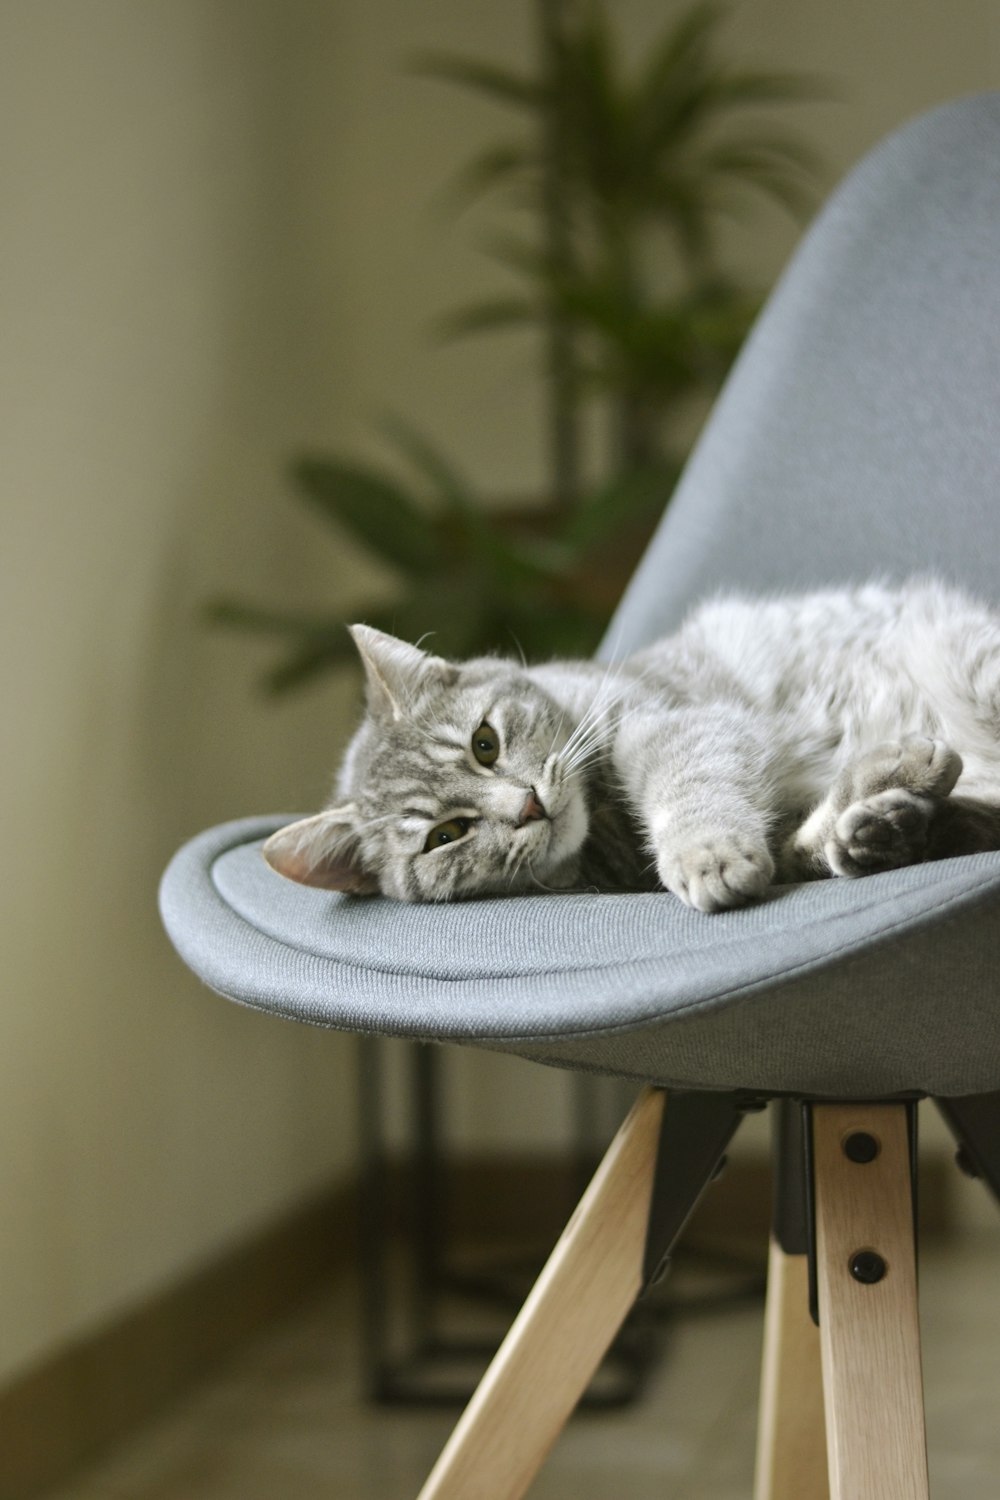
(915, 763)
(716, 872)
(882, 832)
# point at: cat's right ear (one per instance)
(395, 670)
(321, 851)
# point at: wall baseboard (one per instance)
(65, 1411)
(61, 1415)
(493, 1198)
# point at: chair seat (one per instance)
(867, 988)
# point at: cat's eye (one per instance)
(447, 833)
(486, 744)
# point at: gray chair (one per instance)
(858, 435)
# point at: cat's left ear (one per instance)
(395, 670)
(321, 851)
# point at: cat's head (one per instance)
(452, 786)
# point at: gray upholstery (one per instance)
(872, 986)
(858, 435)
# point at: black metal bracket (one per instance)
(974, 1121)
(794, 1218)
(694, 1134)
(414, 1273)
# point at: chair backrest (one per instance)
(859, 432)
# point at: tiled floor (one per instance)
(283, 1421)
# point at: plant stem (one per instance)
(555, 18)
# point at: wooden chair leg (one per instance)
(869, 1332)
(791, 1431)
(564, 1328)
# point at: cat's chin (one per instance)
(568, 828)
(554, 862)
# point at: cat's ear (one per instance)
(321, 851)
(394, 670)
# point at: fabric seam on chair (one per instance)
(435, 977)
(941, 914)
(692, 1007)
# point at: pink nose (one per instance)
(532, 810)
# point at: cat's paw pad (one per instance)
(915, 763)
(882, 832)
(715, 873)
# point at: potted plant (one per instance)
(620, 180)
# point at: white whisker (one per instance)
(520, 648)
(600, 705)
(517, 857)
(559, 730)
(553, 890)
(597, 738)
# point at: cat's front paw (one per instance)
(884, 832)
(716, 872)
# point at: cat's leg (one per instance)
(879, 813)
(699, 782)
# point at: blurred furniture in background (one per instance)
(438, 1285)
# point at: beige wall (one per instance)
(149, 390)
(217, 247)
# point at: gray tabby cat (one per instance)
(790, 738)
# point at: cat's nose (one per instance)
(532, 810)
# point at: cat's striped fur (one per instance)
(834, 733)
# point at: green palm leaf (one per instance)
(506, 164)
(236, 614)
(374, 508)
(501, 84)
(306, 663)
(490, 315)
(447, 482)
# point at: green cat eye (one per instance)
(447, 833)
(486, 744)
